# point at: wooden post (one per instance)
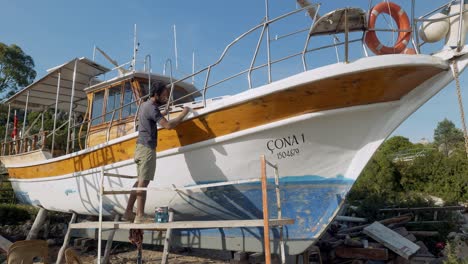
(34, 143)
(167, 240)
(17, 146)
(65, 240)
(10, 148)
(44, 139)
(110, 238)
(266, 225)
(38, 222)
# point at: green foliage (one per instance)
(389, 180)
(13, 214)
(7, 195)
(451, 252)
(447, 136)
(16, 69)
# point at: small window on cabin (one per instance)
(96, 114)
(129, 108)
(113, 102)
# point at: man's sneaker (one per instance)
(139, 219)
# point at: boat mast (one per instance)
(135, 48)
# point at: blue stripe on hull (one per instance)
(311, 200)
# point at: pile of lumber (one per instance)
(385, 241)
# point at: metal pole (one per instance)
(346, 37)
(6, 129)
(268, 41)
(280, 214)
(94, 53)
(134, 47)
(55, 113)
(71, 104)
(414, 26)
(101, 194)
(24, 121)
(175, 48)
(266, 223)
(110, 239)
(249, 75)
(460, 26)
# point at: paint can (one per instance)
(161, 215)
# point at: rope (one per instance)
(456, 74)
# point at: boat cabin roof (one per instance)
(42, 93)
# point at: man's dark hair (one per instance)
(157, 88)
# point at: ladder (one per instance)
(266, 222)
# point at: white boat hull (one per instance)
(320, 155)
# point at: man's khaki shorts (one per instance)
(145, 158)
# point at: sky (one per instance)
(53, 32)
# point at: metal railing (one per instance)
(263, 29)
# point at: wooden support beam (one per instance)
(362, 253)
(65, 240)
(442, 208)
(184, 224)
(37, 225)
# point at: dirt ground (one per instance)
(124, 253)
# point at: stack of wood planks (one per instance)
(385, 241)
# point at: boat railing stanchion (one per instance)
(101, 194)
(278, 206)
(346, 36)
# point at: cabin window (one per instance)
(128, 109)
(96, 114)
(144, 88)
(113, 102)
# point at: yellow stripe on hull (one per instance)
(375, 86)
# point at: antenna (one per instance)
(135, 47)
(175, 48)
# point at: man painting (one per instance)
(145, 152)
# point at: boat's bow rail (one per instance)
(352, 24)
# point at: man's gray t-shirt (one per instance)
(149, 117)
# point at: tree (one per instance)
(447, 136)
(16, 69)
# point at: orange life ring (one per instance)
(402, 21)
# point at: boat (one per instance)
(320, 126)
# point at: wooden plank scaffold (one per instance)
(266, 222)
